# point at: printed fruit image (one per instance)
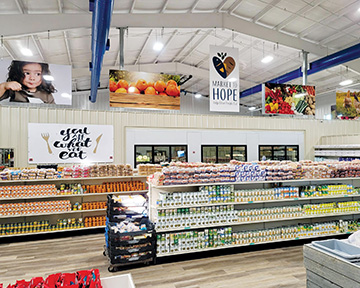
(112, 86)
(141, 85)
(150, 91)
(162, 94)
(123, 84)
(171, 82)
(172, 90)
(133, 90)
(160, 86)
(121, 90)
(151, 84)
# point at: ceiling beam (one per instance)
(191, 10)
(143, 47)
(38, 47)
(202, 38)
(186, 44)
(21, 6)
(167, 68)
(164, 6)
(262, 13)
(67, 45)
(222, 4)
(132, 6)
(302, 11)
(60, 5)
(9, 25)
(166, 45)
(8, 50)
(351, 28)
(234, 6)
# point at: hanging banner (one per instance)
(144, 90)
(69, 143)
(35, 83)
(347, 103)
(288, 99)
(224, 79)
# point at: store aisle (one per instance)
(282, 267)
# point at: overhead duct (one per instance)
(101, 18)
(327, 62)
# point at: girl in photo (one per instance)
(25, 83)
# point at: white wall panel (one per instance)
(14, 120)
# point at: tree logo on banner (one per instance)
(223, 67)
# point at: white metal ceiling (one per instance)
(187, 28)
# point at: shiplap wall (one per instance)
(14, 122)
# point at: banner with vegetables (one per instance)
(144, 90)
(288, 99)
(348, 103)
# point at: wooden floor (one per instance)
(281, 267)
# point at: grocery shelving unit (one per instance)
(52, 217)
(334, 152)
(239, 226)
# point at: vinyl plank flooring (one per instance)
(272, 268)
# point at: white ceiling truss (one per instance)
(59, 32)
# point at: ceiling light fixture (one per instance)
(48, 78)
(346, 82)
(252, 108)
(26, 51)
(198, 95)
(158, 46)
(267, 59)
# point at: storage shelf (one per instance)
(250, 244)
(53, 213)
(74, 195)
(344, 146)
(54, 231)
(254, 182)
(108, 178)
(258, 221)
(256, 202)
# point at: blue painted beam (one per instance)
(327, 62)
(101, 18)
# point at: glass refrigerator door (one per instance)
(239, 153)
(279, 153)
(224, 154)
(265, 153)
(143, 155)
(292, 153)
(178, 153)
(6, 158)
(161, 154)
(209, 154)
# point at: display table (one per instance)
(325, 269)
(119, 281)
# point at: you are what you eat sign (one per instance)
(224, 79)
(69, 143)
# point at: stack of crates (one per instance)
(129, 234)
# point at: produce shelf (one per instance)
(53, 213)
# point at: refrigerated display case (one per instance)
(223, 153)
(279, 152)
(155, 154)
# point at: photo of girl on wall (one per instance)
(26, 83)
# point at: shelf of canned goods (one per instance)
(194, 218)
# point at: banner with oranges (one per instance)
(224, 79)
(144, 90)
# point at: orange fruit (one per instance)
(163, 94)
(141, 85)
(172, 90)
(132, 84)
(171, 82)
(150, 91)
(123, 84)
(112, 86)
(121, 90)
(133, 90)
(151, 84)
(160, 86)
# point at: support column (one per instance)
(305, 66)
